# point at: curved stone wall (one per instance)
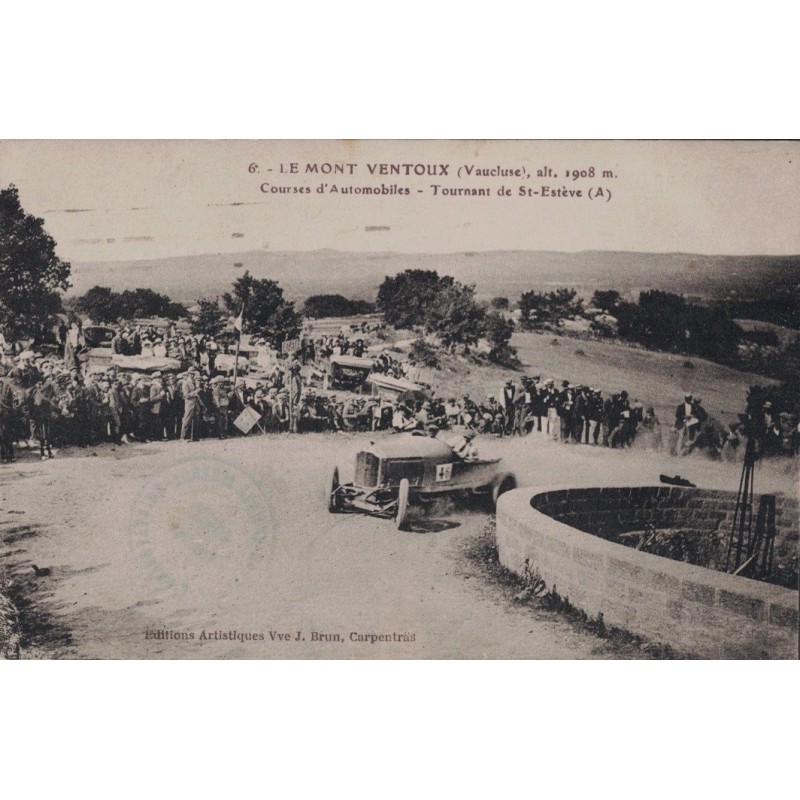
(694, 609)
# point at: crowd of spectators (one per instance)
(53, 400)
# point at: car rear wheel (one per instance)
(504, 482)
(402, 504)
(333, 496)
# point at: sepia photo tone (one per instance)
(399, 399)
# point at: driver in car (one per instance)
(463, 447)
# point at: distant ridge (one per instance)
(503, 272)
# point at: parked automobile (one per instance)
(348, 372)
(392, 474)
(98, 335)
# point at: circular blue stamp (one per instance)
(200, 522)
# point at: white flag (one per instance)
(237, 323)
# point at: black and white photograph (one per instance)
(373, 399)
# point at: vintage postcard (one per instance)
(399, 399)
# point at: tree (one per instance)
(100, 304)
(541, 310)
(531, 307)
(335, 305)
(662, 320)
(666, 321)
(439, 304)
(209, 318)
(498, 329)
(498, 334)
(606, 300)
(455, 317)
(267, 313)
(31, 274)
(500, 303)
(147, 303)
(103, 305)
(769, 303)
(628, 319)
(405, 298)
(711, 333)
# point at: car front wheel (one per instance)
(333, 495)
(402, 504)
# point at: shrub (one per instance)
(505, 356)
(600, 328)
(424, 353)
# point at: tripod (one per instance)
(742, 529)
(749, 545)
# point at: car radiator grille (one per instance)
(366, 469)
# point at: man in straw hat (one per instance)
(190, 390)
(220, 400)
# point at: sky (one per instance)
(129, 200)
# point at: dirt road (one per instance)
(158, 550)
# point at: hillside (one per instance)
(505, 273)
(656, 379)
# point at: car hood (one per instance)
(408, 446)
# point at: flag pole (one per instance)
(240, 321)
(292, 422)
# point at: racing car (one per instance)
(413, 468)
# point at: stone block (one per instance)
(557, 547)
(783, 616)
(662, 581)
(620, 613)
(699, 643)
(624, 569)
(676, 610)
(588, 558)
(742, 604)
(698, 593)
(614, 588)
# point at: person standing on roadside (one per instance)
(220, 400)
(8, 418)
(595, 415)
(157, 397)
(190, 392)
(115, 411)
(295, 392)
(140, 398)
(508, 400)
